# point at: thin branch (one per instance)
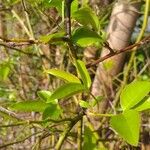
(114, 53)
(67, 17)
(9, 113)
(68, 28)
(67, 130)
(80, 134)
(19, 141)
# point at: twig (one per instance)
(9, 45)
(111, 54)
(80, 139)
(9, 113)
(19, 141)
(67, 130)
(30, 41)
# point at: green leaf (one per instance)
(74, 6)
(4, 70)
(134, 93)
(127, 125)
(143, 105)
(44, 95)
(85, 37)
(29, 106)
(52, 111)
(57, 4)
(96, 101)
(63, 75)
(86, 16)
(66, 90)
(55, 37)
(90, 141)
(84, 74)
(84, 104)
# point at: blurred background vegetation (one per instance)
(23, 59)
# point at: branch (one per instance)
(68, 28)
(12, 46)
(114, 53)
(9, 113)
(67, 130)
(19, 141)
(68, 17)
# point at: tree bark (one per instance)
(122, 23)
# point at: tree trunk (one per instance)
(122, 23)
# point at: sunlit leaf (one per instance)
(74, 6)
(134, 93)
(44, 95)
(84, 104)
(84, 74)
(29, 106)
(63, 75)
(143, 105)
(55, 37)
(66, 90)
(127, 125)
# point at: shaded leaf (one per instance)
(52, 111)
(66, 90)
(63, 75)
(90, 142)
(86, 16)
(4, 70)
(127, 125)
(134, 93)
(57, 4)
(85, 37)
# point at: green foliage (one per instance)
(127, 125)
(88, 30)
(91, 103)
(86, 17)
(66, 90)
(53, 111)
(44, 95)
(63, 75)
(55, 37)
(134, 93)
(84, 37)
(4, 69)
(83, 73)
(84, 104)
(29, 106)
(74, 6)
(89, 140)
(96, 100)
(143, 105)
